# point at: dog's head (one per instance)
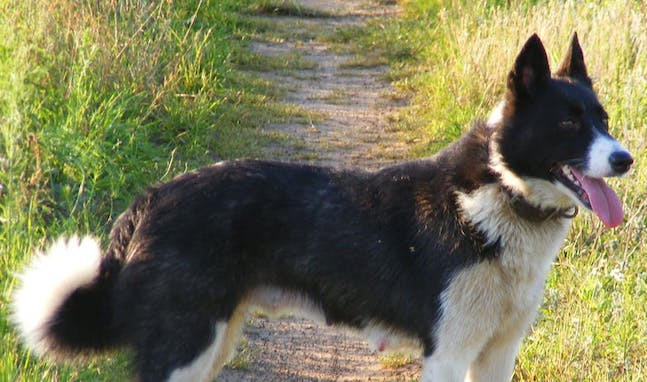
(551, 141)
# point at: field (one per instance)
(100, 99)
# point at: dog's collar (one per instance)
(535, 214)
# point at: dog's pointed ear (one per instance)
(531, 72)
(573, 65)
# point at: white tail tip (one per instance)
(47, 281)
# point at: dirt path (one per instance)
(351, 96)
(347, 89)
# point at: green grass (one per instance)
(336, 97)
(451, 60)
(364, 61)
(99, 100)
(243, 357)
(395, 360)
(282, 63)
(287, 8)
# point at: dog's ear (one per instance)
(573, 65)
(531, 72)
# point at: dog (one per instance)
(448, 253)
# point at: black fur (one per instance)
(84, 321)
(358, 244)
(366, 247)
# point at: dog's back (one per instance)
(448, 253)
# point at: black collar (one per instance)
(535, 214)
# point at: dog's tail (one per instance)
(63, 307)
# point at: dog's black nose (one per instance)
(620, 161)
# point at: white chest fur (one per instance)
(487, 307)
(528, 248)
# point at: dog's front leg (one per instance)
(436, 368)
(495, 363)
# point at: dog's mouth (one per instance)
(593, 193)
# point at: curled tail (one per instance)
(63, 306)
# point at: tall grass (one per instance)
(451, 59)
(98, 100)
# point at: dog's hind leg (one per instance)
(230, 339)
(187, 347)
(179, 347)
(201, 368)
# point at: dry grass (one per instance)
(100, 99)
(592, 326)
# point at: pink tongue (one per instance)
(604, 201)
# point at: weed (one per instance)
(395, 360)
(287, 8)
(336, 97)
(98, 100)
(365, 61)
(243, 356)
(282, 62)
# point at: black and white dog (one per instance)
(448, 253)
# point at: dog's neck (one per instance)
(512, 185)
(522, 207)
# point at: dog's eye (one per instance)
(605, 123)
(569, 124)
